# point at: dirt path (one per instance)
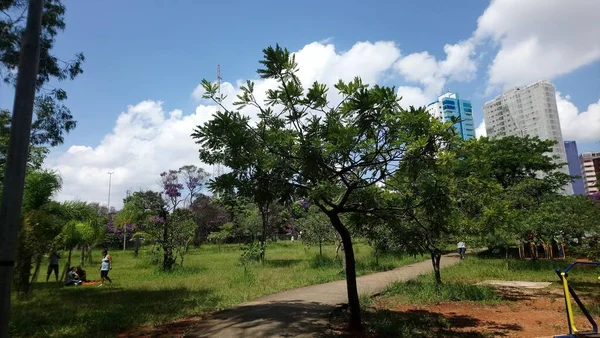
(300, 312)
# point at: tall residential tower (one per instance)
(448, 106)
(590, 169)
(529, 110)
(574, 167)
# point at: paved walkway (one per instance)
(302, 312)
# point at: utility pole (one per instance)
(110, 173)
(218, 168)
(18, 152)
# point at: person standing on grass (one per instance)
(462, 248)
(53, 266)
(105, 267)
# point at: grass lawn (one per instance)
(210, 279)
(459, 280)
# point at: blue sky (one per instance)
(150, 55)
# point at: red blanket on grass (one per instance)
(92, 282)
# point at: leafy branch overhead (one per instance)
(53, 119)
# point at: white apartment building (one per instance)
(590, 169)
(529, 110)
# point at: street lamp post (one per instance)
(110, 173)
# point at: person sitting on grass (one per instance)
(81, 273)
(72, 278)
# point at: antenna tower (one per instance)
(218, 168)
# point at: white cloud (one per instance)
(480, 130)
(147, 140)
(423, 68)
(575, 125)
(539, 39)
(413, 96)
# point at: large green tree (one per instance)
(503, 180)
(53, 119)
(334, 154)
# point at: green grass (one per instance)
(474, 269)
(210, 279)
(424, 291)
(459, 284)
(459, 280)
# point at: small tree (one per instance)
(39, 225)
(222, 235)
(316, 228)
(329, 153)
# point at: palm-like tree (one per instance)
(39, 226)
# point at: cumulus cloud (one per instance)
(413, 96)
(539, 39)
(575, 125)
(147, 140)
(480, 130)
(423, 68)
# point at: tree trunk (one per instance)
(23, 263)
(124, 237)
(24, 272)
(82, 258)
(89, 254)
(337, 249)
(353, 300)
(137, 247)
(38, 264)
(320, 248)
(67, 266)
(167, 250)
(436, 257)
(264, 215)
(16, 159)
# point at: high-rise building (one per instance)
(529, 110)
(448, 106)
(574, 167)
(590, 169)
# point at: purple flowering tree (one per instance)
(193, 179)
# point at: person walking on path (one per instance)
(462, 248)
(105, 267)
(53, 266)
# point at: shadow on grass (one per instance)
(324, 262)
(373, 265)
(91, 311)
(281, 263)
(423, 323)
(281, 319)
